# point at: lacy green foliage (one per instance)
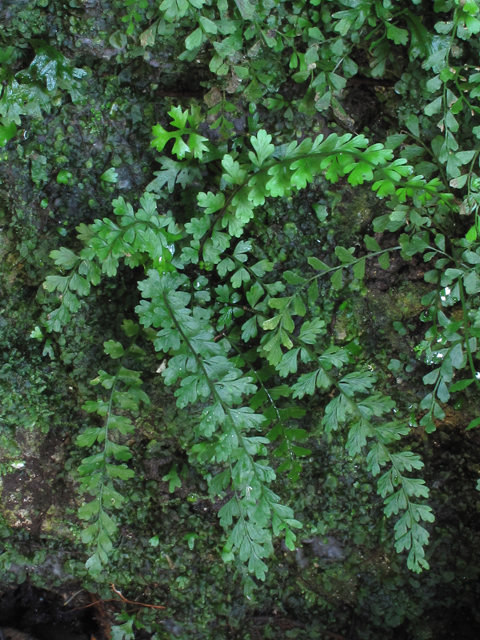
(189, 314)
(450, 344)
(262, 44)
(180, 119)
(98, 470)
(253, 48)
(209, 376)
(270, 342)
(133, 237)
(354, 406)
(458, 87)
(271, 171)
(243, 341)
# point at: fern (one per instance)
(233, 439)
(355, 406)
(98, 471)
(134, 237)
(450, 343)
(207, 375)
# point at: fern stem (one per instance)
(214, 393)
(270, 399)
(465, 329)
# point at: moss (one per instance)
(386, 307)
(54, 524)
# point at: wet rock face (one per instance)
(50, 632)
(7, 633)
(29, 613)
(326, 547)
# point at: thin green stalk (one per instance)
(267, 393)
(465, 330)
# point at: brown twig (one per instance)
(122, 600)
(139, 604)
(92, 604)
